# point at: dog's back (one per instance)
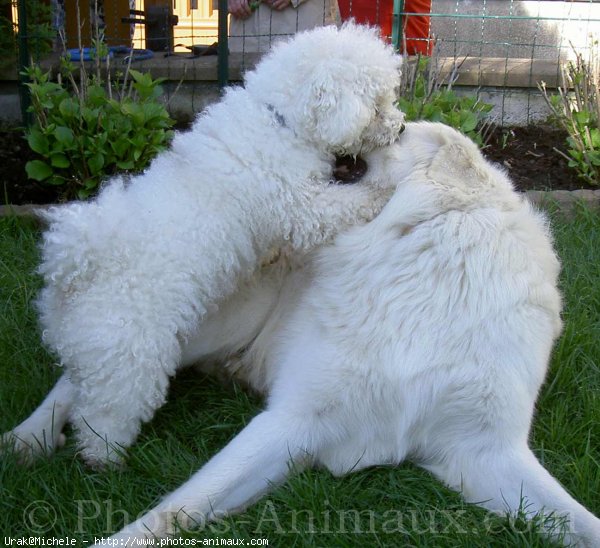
(451, 286)
(426, 334)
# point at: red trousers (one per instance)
(380, 13)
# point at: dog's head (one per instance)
(334, 87)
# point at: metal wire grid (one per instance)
(478, 29)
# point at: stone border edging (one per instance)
(471, 70)
(27, 210)
(565, 200)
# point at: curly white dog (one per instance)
(130, 276)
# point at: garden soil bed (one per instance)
(530, 156)
(527, 153)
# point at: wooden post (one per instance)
(116, 32)
(159, 37)
(72, 25)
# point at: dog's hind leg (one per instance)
(124, 388)
(41, 433)
(261, 455)
(510, 480)
(130, 379)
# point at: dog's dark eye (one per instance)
(348, 169)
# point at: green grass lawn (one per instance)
(404, 506)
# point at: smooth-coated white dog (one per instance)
(130, 277)
(422, 335)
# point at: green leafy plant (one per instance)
(424, 95)
(85, 137)
(91, 127)
(578, 112)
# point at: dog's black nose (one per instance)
(401, 130)
(349, 169)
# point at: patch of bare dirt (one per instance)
(528, 153)
(531, 158)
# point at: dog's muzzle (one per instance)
(349, 169)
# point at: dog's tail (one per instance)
(63, 246)
(77, 239)
(77, 234)
(65, 265)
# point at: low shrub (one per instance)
(90, 129)
(424, 95)
(576, 108)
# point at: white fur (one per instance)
(130, 277)
(424, 335)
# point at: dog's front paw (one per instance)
(102, 456)
(28, 443)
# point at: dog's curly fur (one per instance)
(129, 276)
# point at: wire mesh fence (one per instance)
(514, 29)
(512, 46)
(509, 45)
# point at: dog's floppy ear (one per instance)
(332, 108)
(459, 162)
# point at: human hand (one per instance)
(278, 4)
(240, 9)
